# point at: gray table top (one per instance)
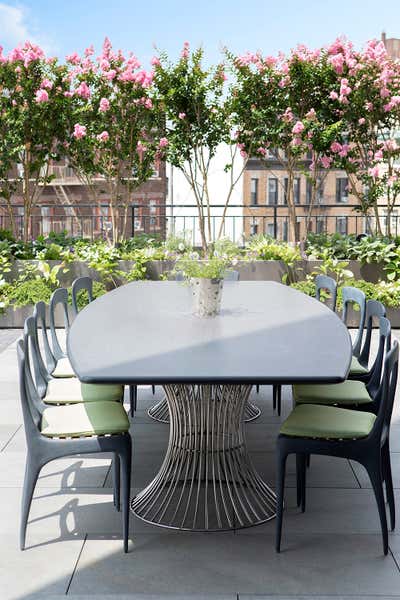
(144, 332)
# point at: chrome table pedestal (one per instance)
(207, 481)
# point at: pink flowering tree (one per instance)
(116, 132)
(198, 121)
(281, 110)
(366, 99)
(32, 124)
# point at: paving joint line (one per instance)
(11, 439)
(76, 565)
(354, 473)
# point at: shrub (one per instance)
(28, 292)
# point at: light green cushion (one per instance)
(348, 393)
(63, 369)
(71, 391)
(95, 418)
(314, 421)
(356, 368)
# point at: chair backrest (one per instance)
(81, 284)
(39, 314)
(37, 367)
(387, 392)
(31, 415)
(385, 342)
(59, 297)
(350, 296)
(374, 310)
(324, 282)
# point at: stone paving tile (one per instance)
(363, 478)
(7, 433)
(225, 563)
(40, 569)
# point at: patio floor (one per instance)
(74, 543)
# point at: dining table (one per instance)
(266, 333)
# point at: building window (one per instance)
(272, 190)
(296, 190)
(285, 231)
(308, 191)
(254, 227)
(319, 193)
(270, 230)
(341, 225)
(320, 225)
(254, 191)
(342, 194)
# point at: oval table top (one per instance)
(145, 332)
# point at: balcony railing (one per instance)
(94, 221)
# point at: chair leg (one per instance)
(301, 480)
(126, 464)
(257, 388)
(308, 461)
(280, 488)
(153, 389)
(298, 480)
(374, 470)
(132, 399)
(387, 472)
(279, 399)
(274, 392)
(32, 471)
(116, 469)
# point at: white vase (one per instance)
(207, 294)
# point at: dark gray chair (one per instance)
(351, 296)
(82, 284)
(354, 435)
(58, 298)
(360, 369)
(56, 432)
(326, 283)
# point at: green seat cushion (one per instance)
(71, 391)
(356, 368)
(315, 421)
(94, 418)
(63, 369)
(348, 393)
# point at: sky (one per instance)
(65, 26)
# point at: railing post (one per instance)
(275, 222)
(133, 219)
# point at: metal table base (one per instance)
(207, 481)
(160, 412)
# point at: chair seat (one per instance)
(63, 369)
(327, 422)
(72, 391)
(348, 393)
(356, 368)
(95, 418)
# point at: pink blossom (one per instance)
(287, 115)
(298, 127)
(311, 115)
(384, 93)
(103, 136)
(369, 106)
(296, 141)
(89, 51)
(378, 155)
(47, 84)
(110, 74)
(104, 105)
(182, 115)
(155, 61)
(333, 95)
(68, 94)
(73, 58)
(392, 180)
(373, 172)
(41, 96)
(163, 142)
(83, 90)
(326, 161)
(18, 69)
(79, 131)
(336, 147)
(344, 151)
(337, 61)
(344, 87)
(185, 50)
(361, 121)
(262, 151)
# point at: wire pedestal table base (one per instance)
(160, 412)
(207, 481)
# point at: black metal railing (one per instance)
(241, 221)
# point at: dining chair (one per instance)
(324, 283)
(59, 298)
(352, 392)
(359, 368)
(82, 284)
(61, 431)
(359, 436)
(56, 368)
(353, 296)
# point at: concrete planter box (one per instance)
(261, 270)
(14, 318)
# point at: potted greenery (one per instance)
(206, 278)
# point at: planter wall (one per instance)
(268, 270)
